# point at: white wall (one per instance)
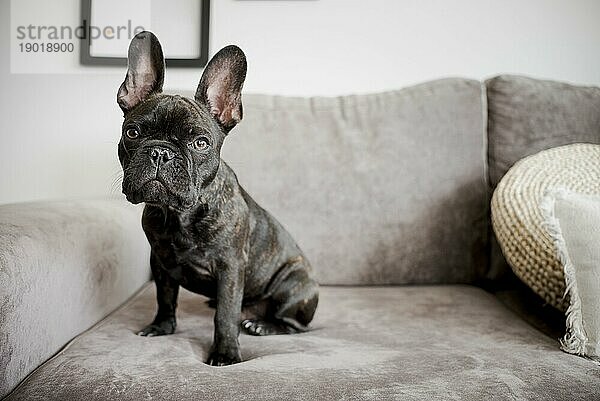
(58, 132)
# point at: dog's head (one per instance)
(170, 145)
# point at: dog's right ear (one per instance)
(145, 71)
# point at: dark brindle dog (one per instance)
(205, 231)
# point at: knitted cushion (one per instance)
(518, 221)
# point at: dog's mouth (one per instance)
(155, 185)
(152, 191)
(157, 193)
(157, 182)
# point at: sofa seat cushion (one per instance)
(421, 342)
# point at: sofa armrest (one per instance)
(63, 267)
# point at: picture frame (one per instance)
(198, 61)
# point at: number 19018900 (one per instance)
(46, 47)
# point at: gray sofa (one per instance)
(388, 196)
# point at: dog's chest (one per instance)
(192, 255)
(189, 249)
(184, 253)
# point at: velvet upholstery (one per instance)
(527, 115)
(386, 188)
(63, 266)
(368, 343)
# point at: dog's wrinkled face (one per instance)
(169, 150)
(170, 145)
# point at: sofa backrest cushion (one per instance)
(527, 115)
(376, 189)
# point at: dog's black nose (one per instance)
(161, 155)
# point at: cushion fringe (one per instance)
(575, 339)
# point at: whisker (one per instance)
(117, 179)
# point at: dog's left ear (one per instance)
(145, 71)
(220, 87)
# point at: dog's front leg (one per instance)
(167, 290)
(230, 290)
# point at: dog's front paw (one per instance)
(221, 359)
(158, 328)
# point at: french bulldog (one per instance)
(206, 233)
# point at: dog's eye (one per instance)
(200, 144)
(132, 133)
